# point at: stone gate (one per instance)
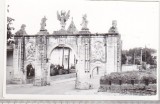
(101, 51)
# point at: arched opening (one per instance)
(95, 71)
(30, 73)
(63, 60)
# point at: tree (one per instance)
(135, 55)
(147, 57)
(9, 29)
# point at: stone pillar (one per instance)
(17, 78)
(38, 68)
(83, 80)
(41, 70)
(18, 59)
(111, 54)
(113, 49)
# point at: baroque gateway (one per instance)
(92, 51)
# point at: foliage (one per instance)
(135, 54)
(130, 77)
(137, 89)
(9, 29)
(57, 70)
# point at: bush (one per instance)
(140, 82)
(150, 78)
(130, 77)
(137, 89)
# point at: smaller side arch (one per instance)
(97, 69)
(30, 72)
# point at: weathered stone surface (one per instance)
(17, 79)
(37, 81)
(83, 85)
(83, 81)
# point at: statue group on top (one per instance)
(63, 16)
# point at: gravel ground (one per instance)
(62, 87)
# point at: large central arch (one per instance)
(65, 45)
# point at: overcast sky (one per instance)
(137, 22)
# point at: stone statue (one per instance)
(22, 31)
(113, 29)
(84, 22)
(43, 23)
(63, 17)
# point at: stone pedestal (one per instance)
(43, 32)
(84, 31)
(62, 31)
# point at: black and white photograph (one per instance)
(79, 49)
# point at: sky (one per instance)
(137, 22)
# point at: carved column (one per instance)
(41, 70)
(83, 75)
(113, 53)
(18, 56)
(17, 79)
(110, 54)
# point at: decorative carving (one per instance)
(84, 22)
(30, 50)
(43, 23)
(98, 53)
(63, 17)
(41, 48)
